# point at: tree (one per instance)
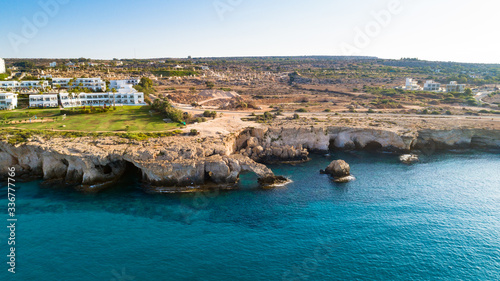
(468, 91)
(146, 83)
(210, 84)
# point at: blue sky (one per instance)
(458, 30)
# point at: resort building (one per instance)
(53, 64)
(455, 87)
(8, 101)
(9, 85)
(41, 101)
(34, 84)
(120, 84)
(2, 66)
(412, 85)
(120, 98)
(124, 96)
(70, 99)
(95, 84)
(432, 86)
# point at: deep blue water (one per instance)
(436, 220)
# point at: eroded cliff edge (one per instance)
(185, 161)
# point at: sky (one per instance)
(441, 30)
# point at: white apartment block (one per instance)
(42, 101)
(8, 101)
(53, 64)
(412, 85)
(120, 98)
(455, 87)
(70, 99)
(16, 85)
(432, 86)
(2, 66)
(95, 84)
(11, 85)
(120, 84)
(34, 84)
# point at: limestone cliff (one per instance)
(289, 142)
(191, 161)
(163, 162)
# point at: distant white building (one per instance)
(412, 85)
(42, 101)
(432, 86)
(95, 84)
(8, 101)
(2, 66)
(119, 84)
(455, 87)
(53, 64)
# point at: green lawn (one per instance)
(137, 118)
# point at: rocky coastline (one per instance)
(185, 163)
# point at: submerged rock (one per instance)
(340, 170)
(344, 179)
(271, 180)
(408, 158)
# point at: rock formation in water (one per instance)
(339, 170)
(408, 158)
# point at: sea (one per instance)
(438, 219)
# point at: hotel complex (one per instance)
(123, 93)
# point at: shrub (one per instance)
(301, 110)
(209, 113)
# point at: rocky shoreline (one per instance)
(183, 164)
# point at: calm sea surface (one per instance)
(436, 220)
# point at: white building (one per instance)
(2, 66)
(412, 85)
(33, 84)
(53, 64)
(9, 85)
(455, 87)
(95, 84)
(124, 96)
(70, 99)
(42, 101)
(8, 101)
(120, 84)
(432, 86)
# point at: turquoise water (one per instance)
(436, 220)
